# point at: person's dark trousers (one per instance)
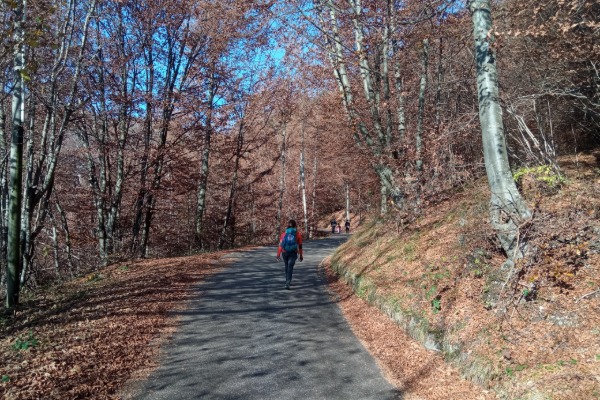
(289, 259)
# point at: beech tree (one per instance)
(14, 261)
(508, 210)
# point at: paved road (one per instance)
(246, 337)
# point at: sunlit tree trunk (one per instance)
(347, 201)
(14, 260)
(303, 182)
(508, 210)
(282, 150)
(313, 196)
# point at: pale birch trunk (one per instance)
(508, 210)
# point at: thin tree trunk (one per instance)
(14, 259)
(28, 200)
(396, 145)
(142, 196)
(281, 182)
(347, 201)
(233, 187)
(421, 111)
(55, 248)
(123, 129)
(508, 210)
(3, 189)
(438, 88)
(252, 212)
(65, 229)
(303, 183)
(384, 197)
(204, 167)
(314, 196)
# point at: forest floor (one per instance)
(534, 336)
(87, 338)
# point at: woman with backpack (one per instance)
(290, 246)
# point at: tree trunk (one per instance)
(204, 167)
(303, 183)
(28, 200)
(233, 189)
(314, 197)
(347, 201)
(281, 182)
(3, 190)
(421, 111)
(438, 88)
(508, 210)
(14, 259)
(65, 228)
(384, 197)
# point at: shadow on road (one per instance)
(246, 337)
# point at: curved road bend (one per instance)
(246, 337)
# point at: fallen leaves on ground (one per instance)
(419, 373)
(85, 339)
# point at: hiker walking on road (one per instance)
(333, 225)
(347, 226)
(290, 246)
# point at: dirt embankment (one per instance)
(539, 337)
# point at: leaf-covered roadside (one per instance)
(87, 338)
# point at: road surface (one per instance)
(246, 337)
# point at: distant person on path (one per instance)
(290, 246)
(347, 226)
(333, 225)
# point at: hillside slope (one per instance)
(538, 336)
